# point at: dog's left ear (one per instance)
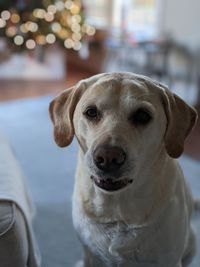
(181, 118)
(61, 111)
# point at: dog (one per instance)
(131, 204)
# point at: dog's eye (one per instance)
(91, 112)
(141, 117)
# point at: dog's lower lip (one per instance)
(109, 184)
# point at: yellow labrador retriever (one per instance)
(131, 204)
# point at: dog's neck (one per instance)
(137, 205)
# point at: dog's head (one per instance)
(123, 123)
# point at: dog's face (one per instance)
(120, 127)
(123, 124)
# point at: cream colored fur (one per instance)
(147, 223)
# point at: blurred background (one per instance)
(47, 46)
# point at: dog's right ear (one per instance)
(61, 111)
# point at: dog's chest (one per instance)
(115, 242)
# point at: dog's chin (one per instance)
(111, 185)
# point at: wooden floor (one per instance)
(16, 89)
(10, 90)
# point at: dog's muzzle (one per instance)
(109, 161)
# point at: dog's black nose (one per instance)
(109, 158)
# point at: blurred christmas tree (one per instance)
(28, 23)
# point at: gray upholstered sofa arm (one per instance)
(13, 236)
(17, 243)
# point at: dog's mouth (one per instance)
(111, 185)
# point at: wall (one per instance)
(181, 18)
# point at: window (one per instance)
(141, 18)
(135, 17)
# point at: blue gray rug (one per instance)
(50, 171)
